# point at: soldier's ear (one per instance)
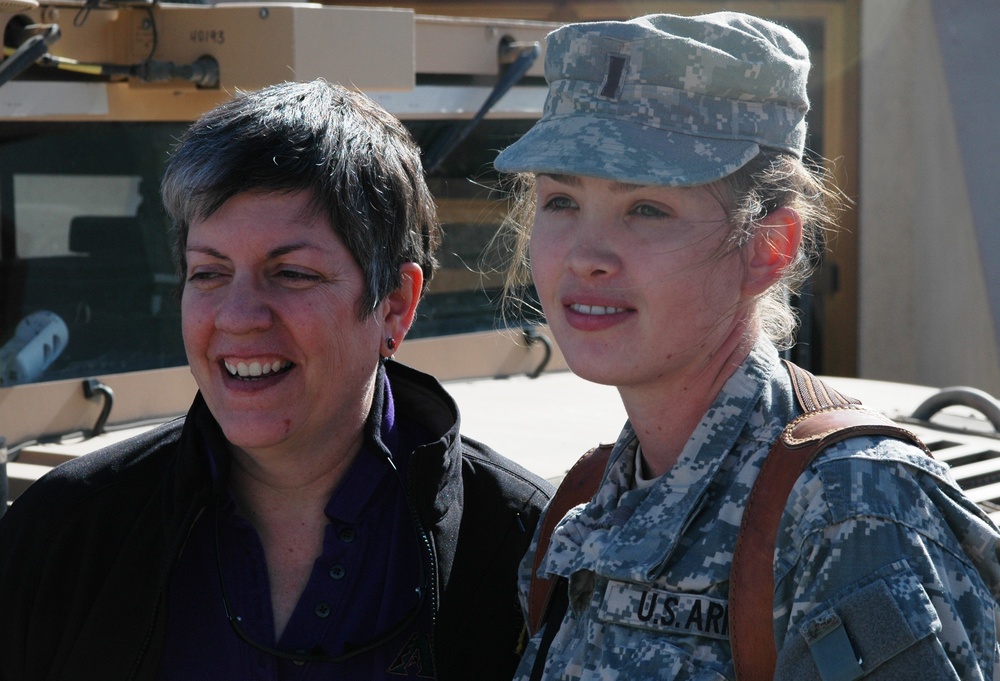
(773, 247)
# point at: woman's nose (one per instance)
(593, 250)
(244, 307)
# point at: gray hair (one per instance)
(357, 161)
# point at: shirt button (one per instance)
(338, 571)
(322, 610)
(347, 535)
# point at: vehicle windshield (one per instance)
(86, 280)
(87, 284)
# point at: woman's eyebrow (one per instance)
(575, 181)
(285, 250)
(273, 253)
(206, 250)
(571, 180)
(625, 187)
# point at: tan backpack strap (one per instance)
(578, 487)
(813, 394)
(829, 417)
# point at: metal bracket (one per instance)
(981, 401)
(93, 387)
(532, 336)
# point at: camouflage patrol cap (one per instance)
(665, 99)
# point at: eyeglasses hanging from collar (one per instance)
(318, 655)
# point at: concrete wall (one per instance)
(925, 313)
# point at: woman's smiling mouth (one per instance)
(255, 369)
(597, 310)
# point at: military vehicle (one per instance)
(93, 93)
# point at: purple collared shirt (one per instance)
(364, 587)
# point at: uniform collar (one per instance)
(631, 534)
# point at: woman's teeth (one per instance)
(595, 309)
(255, 369)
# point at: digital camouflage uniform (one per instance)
(879, 558)
(876, 538)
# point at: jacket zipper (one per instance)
(431, 556)
(164, 578)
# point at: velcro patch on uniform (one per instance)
(664, 611)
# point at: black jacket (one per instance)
(86, 552)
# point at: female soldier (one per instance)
(672, 216)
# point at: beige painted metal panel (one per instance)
(59, 407)
(485, 354)
(256, 44)
(461, 45)
(375, 49)
(924, 311)
(259, 44)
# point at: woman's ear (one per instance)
(773, 248)
(400, 307)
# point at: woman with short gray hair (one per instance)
(318, 513)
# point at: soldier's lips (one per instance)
(596, 317)
(598, 310)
